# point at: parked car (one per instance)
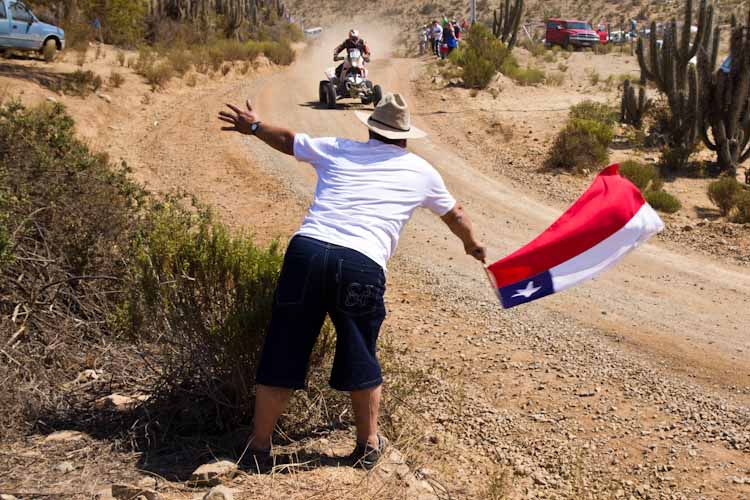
(20, 29)
(571, 33)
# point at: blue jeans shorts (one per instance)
(320, 278)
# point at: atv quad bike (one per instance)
(351, 84)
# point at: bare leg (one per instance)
(366, 404)
(270, 403)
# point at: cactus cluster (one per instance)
(725, 99)
(632, 108)
(505, 23)
(671, 69)
(236, 13)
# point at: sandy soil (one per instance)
(634, 385)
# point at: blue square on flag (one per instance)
(527, 290)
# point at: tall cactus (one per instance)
(632, 108)
(725, 99)
(670, 68)
(505, 24)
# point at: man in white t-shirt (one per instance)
(335, 264)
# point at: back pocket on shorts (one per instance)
(360, 288)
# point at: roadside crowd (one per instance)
(442, 37)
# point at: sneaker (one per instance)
(366, 456)
(259, 461)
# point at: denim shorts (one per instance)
(320, 278)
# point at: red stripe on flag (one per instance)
(606, 206)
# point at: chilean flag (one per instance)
(599, 229)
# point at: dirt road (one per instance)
(664, 337)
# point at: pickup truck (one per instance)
(571, 33)
(20, 29)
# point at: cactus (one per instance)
(725, 100)
(670, 68)
(505, 25)
(633, 109)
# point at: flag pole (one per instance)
(491, 280)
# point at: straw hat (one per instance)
(391, 119)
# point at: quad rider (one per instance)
(353, 42)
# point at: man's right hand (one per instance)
(240, 120)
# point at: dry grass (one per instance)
(116, 80)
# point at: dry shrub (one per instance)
(596, 111)
(192, 80)
(742, 207)
(80, 83)
(723, 193)
(49, 52)
(245, 67)
(70, 217)
(555, 79)
(158, 75)
(121, 58)
(81, 56)
(180, 60)
(225, 69)
(582, 144)
(116, 80)
(280, 53)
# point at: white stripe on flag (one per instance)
(644, 224)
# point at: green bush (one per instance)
(723, 192)
(123, 21)
(477, 72)
(663, 201)
(480, 39)
(581, 144)
(646, 177)
(209, 294)
(742, 207)
(592, 110)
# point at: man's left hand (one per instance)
(239, 119)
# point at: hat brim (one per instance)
(389, 132)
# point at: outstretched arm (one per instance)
(460, 224)
(279, 138)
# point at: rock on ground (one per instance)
(211, 473)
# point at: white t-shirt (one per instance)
(366, 193)
(437, 33)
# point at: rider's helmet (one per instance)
(354, 35)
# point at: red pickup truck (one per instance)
(571, 33)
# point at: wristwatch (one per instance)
(254, 127)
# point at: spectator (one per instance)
(450, 41)
(424, 36)
(456, 30)
(437, 37)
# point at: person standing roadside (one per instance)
(437, 37)
(449, 40)
(335, 264)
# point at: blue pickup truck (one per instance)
(21, 30)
